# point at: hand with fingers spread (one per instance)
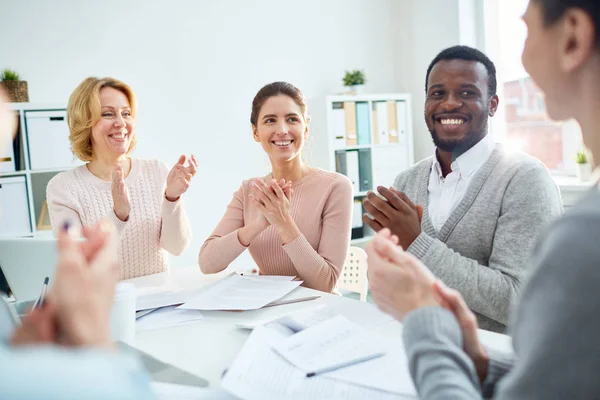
(454, 302)
(274, 201)
(399, 282)
(395, 212)
(77, 307)
(120, 195)
(84, 285)
(178, 180)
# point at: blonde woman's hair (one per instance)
(84, 111)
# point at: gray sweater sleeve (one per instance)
(529, 203)
(439, 367)
(555, 331)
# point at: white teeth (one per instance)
(279, 143)
(449, 121)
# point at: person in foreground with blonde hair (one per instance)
(63, 349)
(142, 198)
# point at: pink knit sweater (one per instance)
(154, 225)
(321, 207)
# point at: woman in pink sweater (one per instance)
(296, 221)
(141, 197)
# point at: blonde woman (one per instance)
(296, 220)
(141, 197)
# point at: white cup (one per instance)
(122, 314)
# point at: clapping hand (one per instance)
(120, 195)
(76, 310)
(178, 180)
(396, 212)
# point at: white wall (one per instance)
(424, 28)
(195, 66)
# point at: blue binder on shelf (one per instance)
(363, 123)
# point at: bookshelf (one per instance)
(370, 141)
(40, 150)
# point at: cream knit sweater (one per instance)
(154, 225)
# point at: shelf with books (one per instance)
(371, 142)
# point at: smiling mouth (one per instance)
(282, 143)
(451, 121)
(119, 136)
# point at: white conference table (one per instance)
(209, 347)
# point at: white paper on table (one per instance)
(168, 391)
(259, 373)
(383, 373)
(273, 277)
(330, 343)
(241, 293)
(296, 320)
(362, 313)
(161, 296)
(167, 317)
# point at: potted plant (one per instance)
(584, 169)
(17, 89)
(354, 80)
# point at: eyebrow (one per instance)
(275, 116)
(112, 108)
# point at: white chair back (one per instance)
(354, 274)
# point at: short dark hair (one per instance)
(553, 10)
(277, 89)
(468, 54)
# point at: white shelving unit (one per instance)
(378, 127)
(41, 149)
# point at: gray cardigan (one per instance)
(484, 246)
(555, 329)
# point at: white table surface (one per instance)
(207, 348)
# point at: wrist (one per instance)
(122, 215)
(288, 230)
(171, 198)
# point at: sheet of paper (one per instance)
(295, 320)
(333, 342)
(259, 373)
(238, 292)
(161, 296)
(167, 317)
(170, 391)
(389, 373)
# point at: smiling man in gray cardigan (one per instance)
(480, 207)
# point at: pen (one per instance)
(290, 301)
(40, 300)
(343, 364)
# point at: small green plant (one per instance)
(581, 158)
(356, 77)
(9, 75)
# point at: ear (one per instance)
(306, 132)
(494, 102)
(577, 41)
(255, 133)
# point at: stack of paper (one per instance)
(167, 317)
(237, 293)
(161, 296)
(333, 343)
(296, 321)
(260, 373)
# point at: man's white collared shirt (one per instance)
(446, 193)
